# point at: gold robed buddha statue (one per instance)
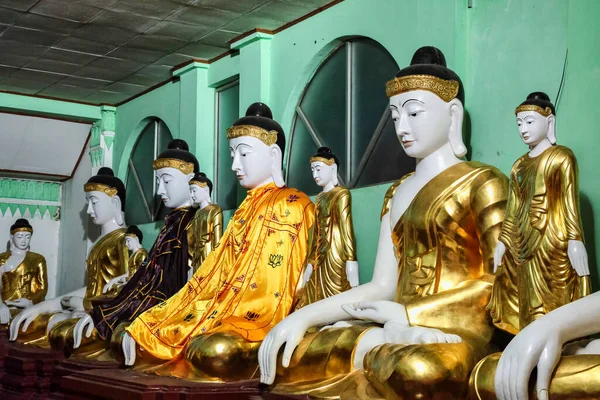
(422, 320)
(541, 232)
(333, 266)
(24, 276)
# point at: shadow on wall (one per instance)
(587, 216)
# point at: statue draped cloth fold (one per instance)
(159, 277)
(28, 281)
(444, 244)
(208, 225)
(246, 285)
(542, 216)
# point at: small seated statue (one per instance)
(541, 232)
(107, 259)
(333, 267)
(212, 328)
(24, 277)
(208, 220)
(164, 271)
(422, 320)
(137, 255)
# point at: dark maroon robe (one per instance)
(160, 276)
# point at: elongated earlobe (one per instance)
(276, 170)
(455, 136)
(334, 171)
(552, 129)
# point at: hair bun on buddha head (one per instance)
(106, 171)
(428, 71)
(258, 115)
(21, 225)
(326, 156)
(538, 102)
(133, 230)
(177, 156)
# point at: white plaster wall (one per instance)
(44, 240)
(74, 237)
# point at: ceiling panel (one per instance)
(105, 51)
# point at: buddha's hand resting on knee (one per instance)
(399, 333)
(289, 331)
(4, 313)
(380, 311)
(538, 345)
(85, 323)
(128, 349)
(20, 303)
(28, 315)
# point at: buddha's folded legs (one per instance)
(35, 334)
(575, 378)
(61, 337)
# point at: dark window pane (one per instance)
(135, 212)
(388, 161)
(142, 157)
(324, 104)
(303, 147)
(372, 67)
(226, 182)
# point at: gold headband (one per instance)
(21, 229)
(131, 235)
(99, 187)
(201, 184)
(446, 90)
(183, 166)
(532, 107)
(265, 136)
(326, 161)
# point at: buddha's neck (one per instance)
(135, 248)
(18, 252)
(437, 162)
(204, 203)
(328, 187)
(266, 182)
(539, 148)
(109, 227)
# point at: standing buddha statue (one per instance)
(541, 232)
(165, 270)
(333, 267)
(208, 220)
(212, 328)
(422, 320)
(24, 277)
(107, 259)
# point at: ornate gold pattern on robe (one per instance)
(208, 231)
(28, 281)
(333, 245)
(542, 216)
(136, 259)
(444, 245)
(246, 285)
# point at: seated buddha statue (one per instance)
(333, 267)
(420, 325)
(107, 259)
(208, 220)
(212, 328)
(24, 277)
(137, 255)
(542, 233)
(165, 269)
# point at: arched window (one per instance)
(344, 107)
(143, 205)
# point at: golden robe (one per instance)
(245, 286)
(542, 216)
(108, 259)
(333, 245)
(209, 229)
(444, 245)
(136, 259)
(28, 281)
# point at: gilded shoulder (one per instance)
(36, 257)
(562, 154)
(387, 198)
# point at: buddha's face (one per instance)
(21, 240)
(322, 173)
(198, 194)
(533, 127)
(252, 161)
(422, 121)
(173, 187)
(132, 243)
(100, 207)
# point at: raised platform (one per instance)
(122, 384)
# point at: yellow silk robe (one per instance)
(246, 285)
(28, 281)
(542, 216)
(333, 245)
(444, 245)
(208, 225)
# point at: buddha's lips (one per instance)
(240, 177)
(408, 143)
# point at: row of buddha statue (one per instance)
(469, 262)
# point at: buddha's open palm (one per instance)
(380, 311)
(398, 333)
